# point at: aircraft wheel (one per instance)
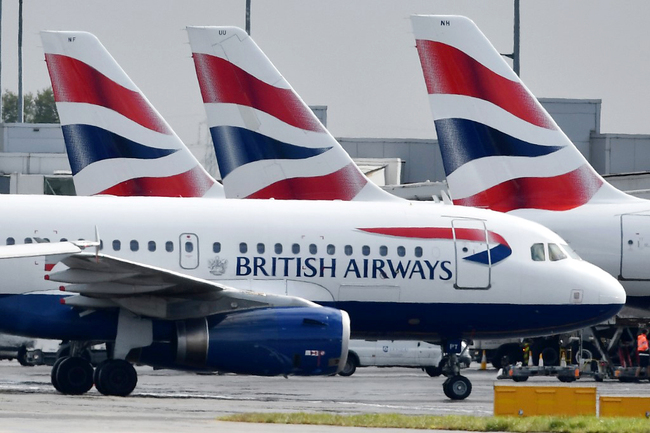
(55, 367)
(457, 387)
(116, 377)
(98, 370)
(73, 375)
(350, 366)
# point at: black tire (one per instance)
(520, 378)
(566, 379)
(117, 377)
(350, 365)
(98, 370)
(22, 357)
(74, 376)
(457, 387)
(55, 367)
(508, 354)
(433, 371)
(549, 350)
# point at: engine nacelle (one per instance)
(266, 342)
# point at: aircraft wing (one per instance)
(101, 281)
(43, 249)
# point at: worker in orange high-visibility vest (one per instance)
(643, 351)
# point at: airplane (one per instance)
(176, 282)
(502, 151)
(268, 142)
(383, 275)
(134, 151)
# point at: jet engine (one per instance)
(300, 341)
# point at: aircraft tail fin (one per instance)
(268, 143)
(117, 143)
(501, 150)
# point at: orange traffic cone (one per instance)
(541, 361)
(484, 362)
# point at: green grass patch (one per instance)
(554, 424)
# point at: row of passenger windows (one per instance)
(278, 248)
(313, 249)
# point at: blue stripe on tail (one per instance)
(480, 141)
(87, 144)
(236, 147)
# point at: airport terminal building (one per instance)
(33, 159)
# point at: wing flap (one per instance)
(155, 292)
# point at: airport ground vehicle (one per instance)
(391, 353)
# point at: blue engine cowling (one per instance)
(266, 342)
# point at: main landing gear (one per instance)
(456, 387)
(75, 375)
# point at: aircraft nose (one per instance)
(611, 292)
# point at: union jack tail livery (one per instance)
(117, 143)
(501, 150)
(268, 142)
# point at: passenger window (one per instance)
(401, 251)
(418, 251)
(555, 253)
(169, 246)
(117, 245)
(189, 247)
(295, 248)
(243, 248)
(278, 248)
(135, 246)
(260, 249)
(313, 249)
(216, 247)
(28, 240)
(65, 240)
(11, 241)
(537, 253)
(46, 240)
(365, 250)
(348, 250)
(383, 250)
(151, 246)
(331, 249)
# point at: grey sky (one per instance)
(355, 56)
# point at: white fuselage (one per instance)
(400, 269)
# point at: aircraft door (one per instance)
(635, 247)
(189, 250)
(473, 261)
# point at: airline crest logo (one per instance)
(217, 266)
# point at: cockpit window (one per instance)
(570, 252)
(537, 253)
(555, 253)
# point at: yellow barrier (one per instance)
(544, 400)
(625, 406)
